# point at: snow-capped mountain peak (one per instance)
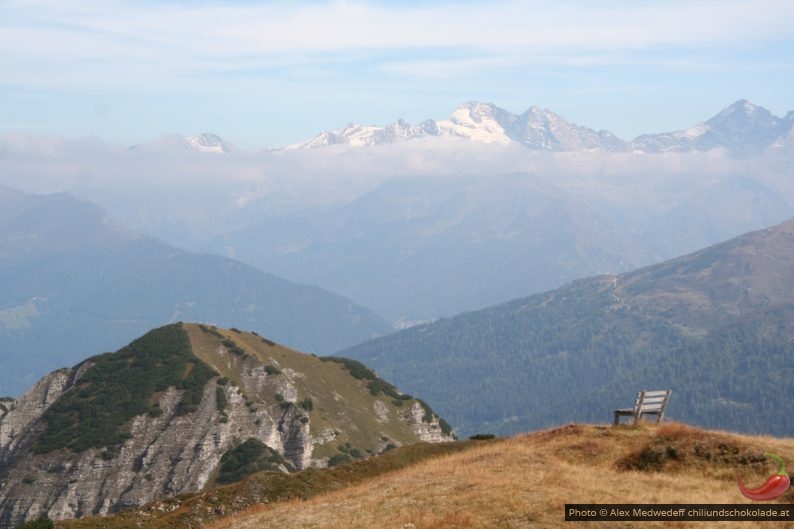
(208, 142)
(175, 143)
(477, 121)
(355, 135)
(542, 129)
(741, 128)
(537, 129)
(742, 106)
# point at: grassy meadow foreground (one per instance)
(519, 482)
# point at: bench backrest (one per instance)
(652, 401)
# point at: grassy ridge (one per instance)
(525, 481)
(519, 482)
(378, 386)
(118, 386)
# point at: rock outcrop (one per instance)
(310, 411)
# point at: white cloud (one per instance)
(110, 43)
(212, 193)
(52, 163)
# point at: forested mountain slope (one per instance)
(716, 326)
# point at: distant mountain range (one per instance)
(742, 128)
(715, 326)
(73, 283)
(418, 230)
(416, 248)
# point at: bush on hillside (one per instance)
(41, 523)
(250, 457)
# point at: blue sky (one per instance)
(270, 73)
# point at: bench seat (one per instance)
(646, 403)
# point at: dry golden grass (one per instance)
(525, 481)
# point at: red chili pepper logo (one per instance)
(774, 487)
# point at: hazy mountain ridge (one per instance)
(417, 248)
(32, 227)
(712, 326)
(421, 248)
(164, 416)
(73, 282)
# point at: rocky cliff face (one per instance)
(311, 412)
(17, 415)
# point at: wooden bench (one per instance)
(647, 403)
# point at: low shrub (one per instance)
(41, 523)
(307, 404)
(250, 457)
(220, 398)
(211, 330)
(356, 368)
(232, 347)
(339, 459)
